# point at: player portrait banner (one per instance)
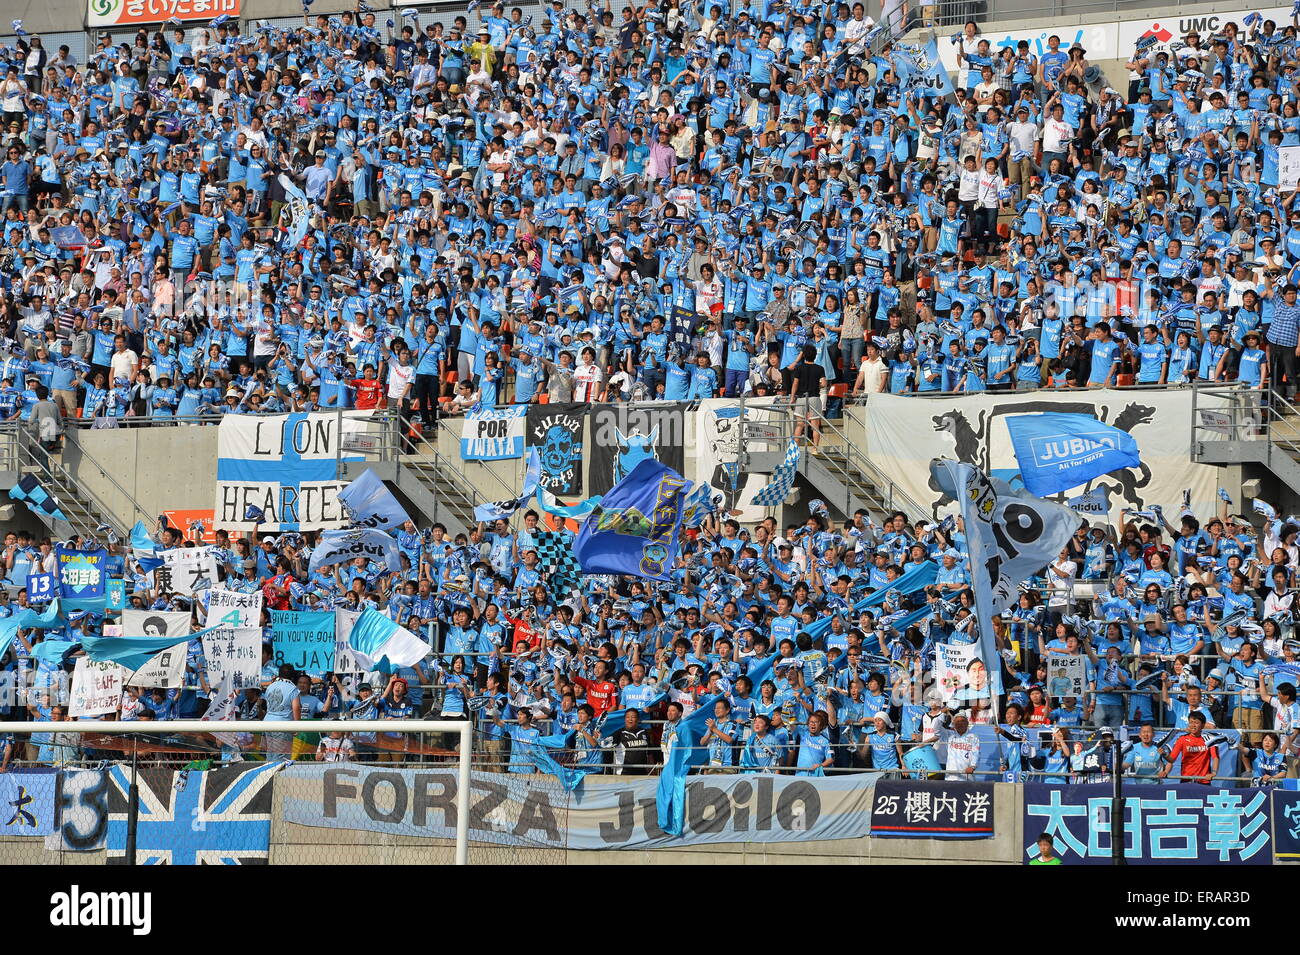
(494, 434)
(922, 809)
(280, 472)
(555, 432)
(902, 434)
(1201, 825)
(1067, 675)
(511, 809)
(156, 623)
(959, 672)
(622, 436)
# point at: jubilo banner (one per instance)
(284, 467)
(903, 434)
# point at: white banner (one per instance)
(285, 467)
(234, 652)
(164, 669)
(231, 608)
(186, 570)
(903, 434)
(1171, 26)
(1067, 675)
(156, 623)
(344, 661)
(959, 673)
(1288, 167)
(494, 434)
(96, 688)
(716, 440)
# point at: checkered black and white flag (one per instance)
(778, 488)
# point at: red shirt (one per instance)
(369, 393)
(274, 600)
(1196, 758)
(601, 694)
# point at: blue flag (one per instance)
(371, 504)
(936, 76)
(1060, 451)
(48, 619)
(27, 803)
(686, 751)
(41, 501)
(918, 578)
(379, 643)
(635, 529)
(144, 549)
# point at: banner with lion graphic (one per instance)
(903, 434)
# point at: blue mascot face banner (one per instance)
(555, 431)
(622, 437)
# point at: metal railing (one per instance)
(88, 509)
(137, 509)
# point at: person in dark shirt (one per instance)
(634, 737)
(807, 381)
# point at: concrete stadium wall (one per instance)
(162, 468)
(293, 844)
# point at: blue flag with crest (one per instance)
(634, 530)
(1057, 452)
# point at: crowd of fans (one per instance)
(1185, 629)
(678, 200)
(675, 201)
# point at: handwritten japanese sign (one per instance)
(230, 608)
(96, 688)
(236, 651)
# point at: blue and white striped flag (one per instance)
(379, 643)
(778, 488)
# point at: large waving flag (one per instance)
(1010, 537)
(635, 529)
(371, 504)
(551, 505)
(131, 653)
(335, 547)
(41, 501)
(504, 510)
(144, 549)
(686, 752)
(1059, 451)
(48, 619)
(380, 644)
(918, 578)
